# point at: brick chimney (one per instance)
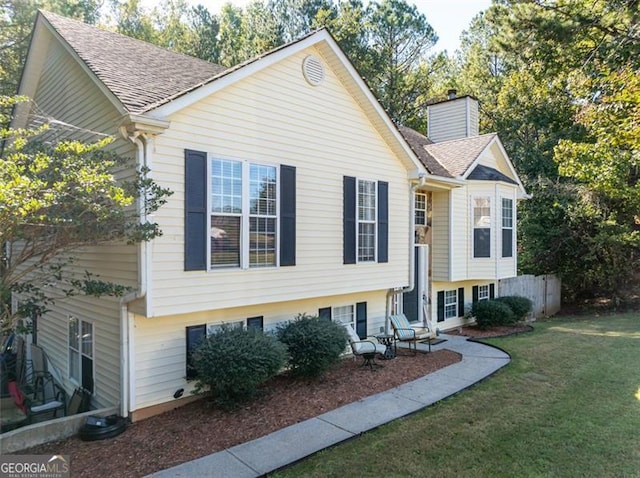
(453, 118)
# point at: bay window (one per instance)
(482, 227)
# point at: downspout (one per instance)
(126, 381)
(412, 259)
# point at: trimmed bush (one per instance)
(492, 313)
(520, 306)
(314, 344)
(232, 363)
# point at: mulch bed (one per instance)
(198, 429)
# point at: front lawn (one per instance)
(568, 405)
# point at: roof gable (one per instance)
(460, 154)
(143, 79)
(137, 73)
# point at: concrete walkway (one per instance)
(293, 443)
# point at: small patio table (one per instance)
(387, 341)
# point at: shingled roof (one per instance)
(459, 154)
(140, 75)
(418, 143)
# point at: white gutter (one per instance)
(412, 260)
(126, 349)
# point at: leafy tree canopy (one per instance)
(55, 198)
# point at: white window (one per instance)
(483, 292)
(450, 304)
(81, 353)
(244, 214)
(482, 227)
(344, 315)
(420, 213)
(367, 221)
(507, 227)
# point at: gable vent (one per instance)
(312, 70)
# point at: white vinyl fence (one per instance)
(544, 292)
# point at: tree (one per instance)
(570, 116)
(16, 22)
(231, 35)
(261, 28)
(399, 37)
(134, 21)
(54, 199)
(206, 28)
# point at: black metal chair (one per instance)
(79, 402)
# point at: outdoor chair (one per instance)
(403, 332)
(366, 349)
(30, 411)
(79, 401)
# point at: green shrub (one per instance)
(232, 363)
(492, 313)
(314, 344)
(520, 306)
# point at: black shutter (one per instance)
(195, 335)
(461, 302)
(255, 322)
(325, 313)
(474, 292)
(195, 210)
(383, 221)
(349, 220)
(492, 291)
(361, 319)
(287, 215)
(440, 306)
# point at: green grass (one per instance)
(568, 405)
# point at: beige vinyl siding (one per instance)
(454, 322)
(53, 337)
(483, 267)
(495, 159)
(460, 235)
(473, 117)
(440, 241)
(65, 93)
(275, 117)
(453, 120)
(507, 266)
(160, 343)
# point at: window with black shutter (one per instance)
(238, 213)
(365, 220)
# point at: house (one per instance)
(465, 237)
(293, 193)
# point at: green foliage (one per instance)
(492, 313)
(16, 22)
(234, 361)
(56, 197)
(579, 235)
(314, 345)
(520, 306)
(558, 81)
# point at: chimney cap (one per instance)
(451, 93)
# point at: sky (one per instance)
(447, 17)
